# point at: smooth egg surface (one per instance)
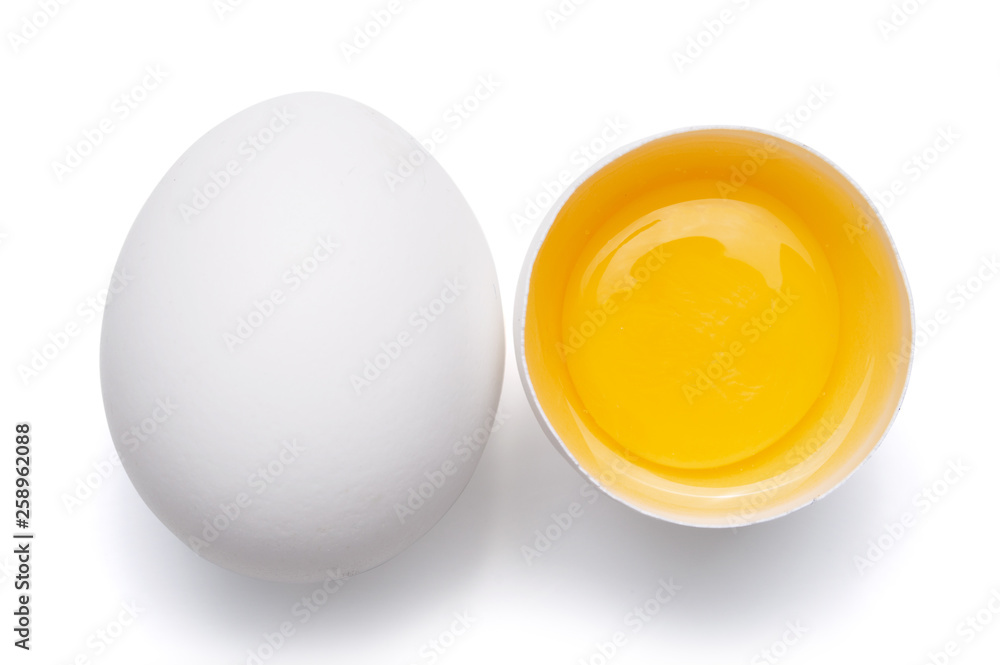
(305, 363)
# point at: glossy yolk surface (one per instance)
(698, 333)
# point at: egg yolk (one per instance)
(697, 333)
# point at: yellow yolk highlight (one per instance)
(715, 326)
(698, 333)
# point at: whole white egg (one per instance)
(303, 352)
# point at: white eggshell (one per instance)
(303, 354)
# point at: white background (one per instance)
(885, 96)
